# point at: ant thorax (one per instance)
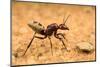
(36, 26)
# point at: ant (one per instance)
(51, 30)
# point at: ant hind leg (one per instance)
(29, 44)
(32, 41)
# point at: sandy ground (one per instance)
(81, 25)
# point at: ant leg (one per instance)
(56, 35)
(41, 37)
(32, 40)
(29, 44)
(62, 36)
(51, 45)
(63, 43)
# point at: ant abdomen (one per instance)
(36, 26)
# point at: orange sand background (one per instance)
(81, 25)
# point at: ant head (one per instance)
(63, 26)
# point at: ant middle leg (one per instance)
(51, 45)
(40, 37)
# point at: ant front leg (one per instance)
(57, 36)
(61, 35)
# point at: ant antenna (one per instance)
(66, 19)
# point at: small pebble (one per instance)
(85, 46)
(40, 54)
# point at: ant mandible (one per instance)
(51, 29)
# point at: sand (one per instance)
(81, 28)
